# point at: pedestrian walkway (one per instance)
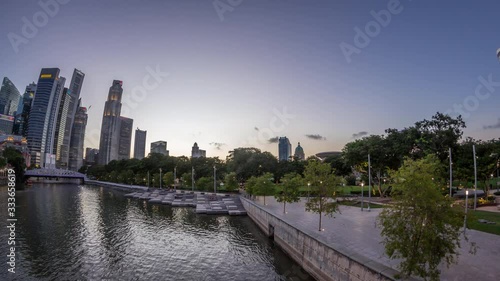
(358, 231)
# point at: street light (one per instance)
(451, 171)
(160, 178)
(175, 178)
(466, 205)
(362, 195)
(475, 176)
(215, 181)
(308, 190)
(148, 179)
(369, 182)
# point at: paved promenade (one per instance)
(357, 230)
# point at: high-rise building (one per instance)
(6, 124)
(125, 138)
(299, 153)
(9, 97)
(159, 147)
(75, 161)
(43, 115)
(284, 149)
(59, 149)
(68, 112)
(196, 152)
(116, 131)
(91, 155)
(23, 111)
(140, 144)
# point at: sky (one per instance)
(239, 73)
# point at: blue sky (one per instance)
(230, 75)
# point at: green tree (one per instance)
(265, 186)
(250, 186)
(204, 184)
(15, 159)
(324, 185)
(290, 189)
(230, 182)
(421, 227)
(186, 180)
(168, 178)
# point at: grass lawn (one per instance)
(472, 222)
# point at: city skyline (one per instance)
(229, 81)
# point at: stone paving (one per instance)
(205, 203)
(357, 231)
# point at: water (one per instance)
(70, 232)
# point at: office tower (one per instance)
(159, 147)
(91, 155)
(116, 131)
(62, 114)
(6, 124)
(299, 153)
(125, 138)
(68, 112)
(43, 115)
(284, 149)
(23, 112)
(140, 144)
(108, 145)
(75, 160)
(196, 152)
(9, 97)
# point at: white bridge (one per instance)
(54, 173)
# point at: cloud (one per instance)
(256, 129)
(360, 134)
(316, 137)
(217, 145)
(273, 140)
(494, 126)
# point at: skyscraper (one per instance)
(284, 149)
(65, 124)
(116, 131)
(23, 111)
(62, 114)
(9, 97)
(299, 153)
(91, 155)
(125, 138)
(139, 144)
(75, 161)
(42, 117)
(159, 147)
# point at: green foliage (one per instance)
(15, 159)
(168, 179)
(204, 184)
(230, 182)
(186, 180)
(250, 185)
(290, 189)
(421, 227)
(324, 186)
(264, 185)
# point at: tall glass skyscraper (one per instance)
(77, 139)
(284, 149)
(9, 97)
(43, 115)
(140, 144)
(116, 131)
(23, 111)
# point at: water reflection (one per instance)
(70, 232)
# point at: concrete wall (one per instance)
(323, 262)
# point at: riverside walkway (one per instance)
(357, 231)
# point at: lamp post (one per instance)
(215, 181)
(466, 206)
(160, 178)
(369, 182)
(451, 171)
(175, 178)
(362, 195)
(192, 178)
(308, 190)
(475, 176)
(498, 168)
(148, 179)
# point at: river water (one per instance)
(72, 232)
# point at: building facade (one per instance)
(284, 149)
(140, 144)
(43, 115)
(110, 129)
(125, 137)
(299, 153)
(75, 161)
(91, 156)
(9, 97)
(159, 147)
(6, 124)
(20, 126)
(196, 152)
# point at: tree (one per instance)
(250, 185)
(168, 178)
(15, 159)
(204, 183)
(186, 180)
(290, 189)
(230, 182)
(421, 227)
(264, 186)
(324, 184)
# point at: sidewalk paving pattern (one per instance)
(358, 231)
